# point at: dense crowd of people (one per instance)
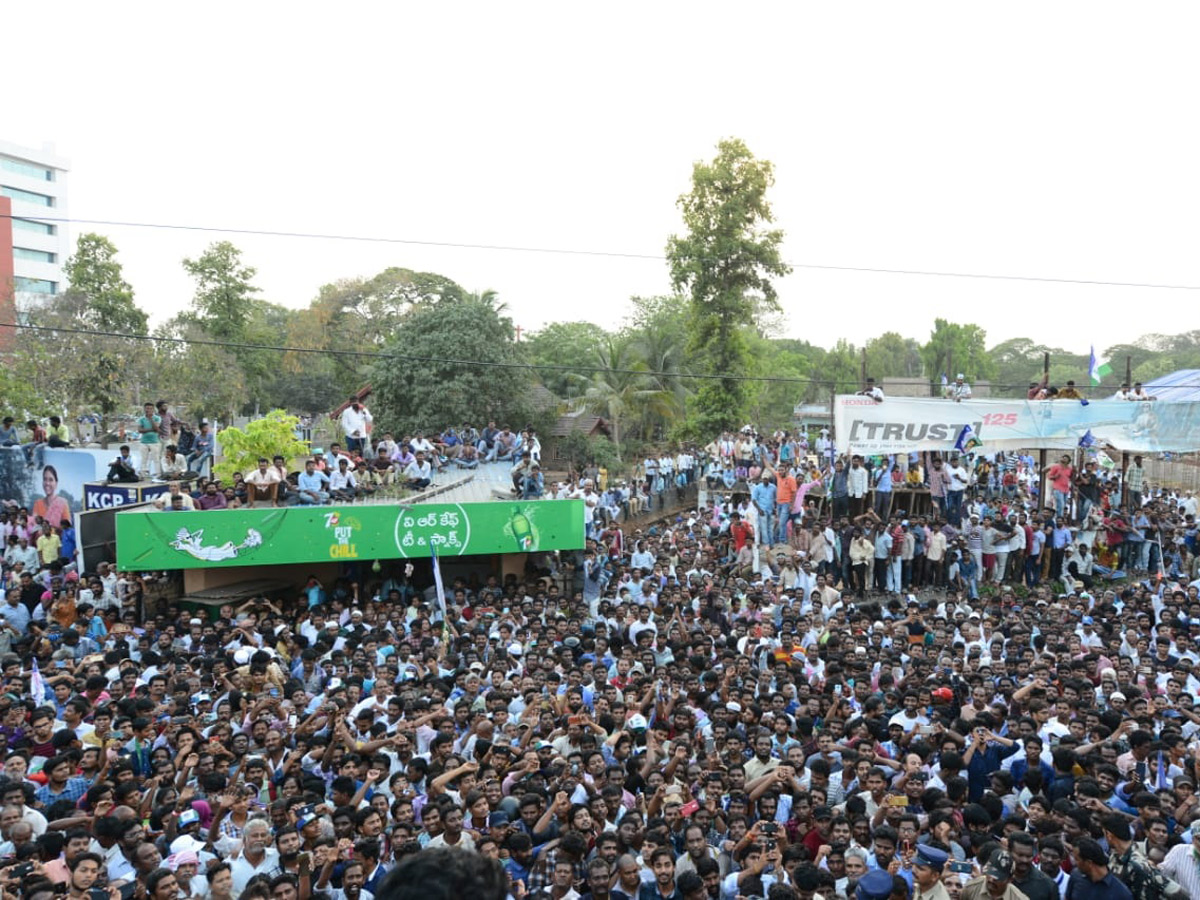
(798, 689)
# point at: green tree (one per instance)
(621, 391)
(571, 344)
(23, 383)
(264, 326)
(475, 386)
(101, 373)
(842, 366)
(1018, 362)
(205, 380)
(657, 329)
(221, 303)
(580, 449)
(1014, 361)
(893, 356)
(357, 315)
(725, 263)
(1141, 352)
(273, 434)
(954, 348)
(93, 272)
(772, 400)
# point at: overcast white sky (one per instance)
(1055, 140)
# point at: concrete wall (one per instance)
(906, 387)
(921, 387)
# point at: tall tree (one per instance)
(103, 371)
(773, 401)
(94, 273)
(891, 355)
(842, 366)
(725, 263)
(221, 304)
(464, 348)
(359, 314)
(204, 380)
(658, 330)
(956, 347)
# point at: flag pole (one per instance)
(441, 592)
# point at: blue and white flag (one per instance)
(37, 687)
(437, 582)
(967, 441)
(1087, 440)
(1096, 368)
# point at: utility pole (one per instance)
(1042, 486)
(863, 373)
(832, 438)
(1126, 502)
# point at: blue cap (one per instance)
(875, 885)
(1087, 620)
(931, 857)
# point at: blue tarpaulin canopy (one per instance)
(1178, 387)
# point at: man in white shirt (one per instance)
(421, 444)
(342, 484)
(590, 501)
(264, 483)
(256, 856)
(355, 419)
(960, 480)
(960, 390)
(418, 473)
(857, 484)
(909, 717)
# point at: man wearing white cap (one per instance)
(959, 390)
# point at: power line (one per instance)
(609, 254)
(443, 360)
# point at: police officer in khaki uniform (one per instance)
(996, 881)
(927, 873)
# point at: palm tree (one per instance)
(620, 388)
(662, 351)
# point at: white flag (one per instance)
(37, 687)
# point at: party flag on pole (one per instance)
(1096, 369)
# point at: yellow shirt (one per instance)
(49, 547)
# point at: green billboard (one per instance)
(304, 534)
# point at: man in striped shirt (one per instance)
(1135, 478)
(1182, 865)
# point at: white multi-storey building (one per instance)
(36, 183)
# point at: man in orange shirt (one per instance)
(785, 494)
(739, 530)
(1060, 476)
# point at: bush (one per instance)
(273, 434)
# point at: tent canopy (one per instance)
(1178, 387)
